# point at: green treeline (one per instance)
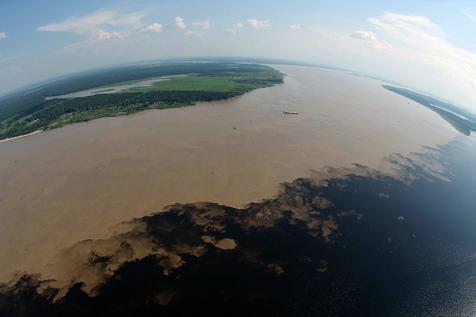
(209, 81)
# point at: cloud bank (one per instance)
(418, 39)
(92, 22)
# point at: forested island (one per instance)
(126, 89)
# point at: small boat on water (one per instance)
(290, 112)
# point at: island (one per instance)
(127, 89)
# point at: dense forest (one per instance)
(26, 112)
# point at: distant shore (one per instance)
(123, 92)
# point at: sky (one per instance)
(428, 45)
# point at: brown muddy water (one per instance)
(75, 183)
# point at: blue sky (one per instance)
(428, 45)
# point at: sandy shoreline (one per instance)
(21, 136)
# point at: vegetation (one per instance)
(463, 121)
(199, 82)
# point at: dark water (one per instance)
(427, 265)
(446, 216)
(363, 245)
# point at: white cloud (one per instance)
(197, 29)
(154, 27)
(258, 24)
(3, 35)
(371, 38)
(364, 35)
(204, 25)
(418, 39)
(92, 22)
(234, 28)
(295, 26)
(97, 25)
(180, 23)
(405, 21)
(101, 35)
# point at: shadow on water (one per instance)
(359, 244)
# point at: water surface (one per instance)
(75, 183)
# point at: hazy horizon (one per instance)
(424, 45)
